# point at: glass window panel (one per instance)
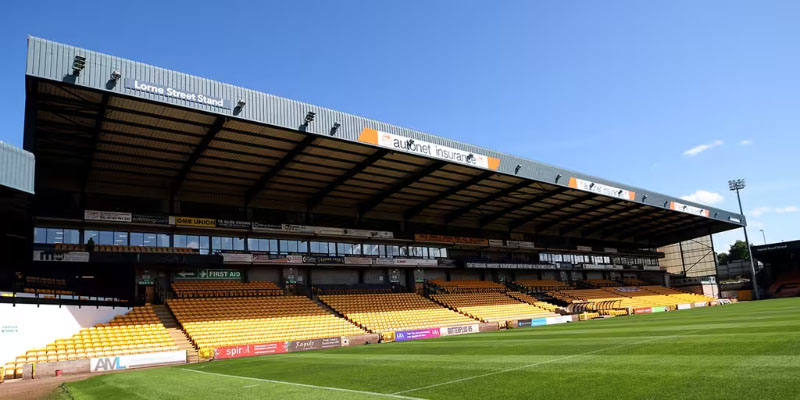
(357, 249)
(180, 241)
(331, 249)
(55, 236)
(238, 243)
(149, 239)
(121, 238)
(193, 242)
(163, 240)
(302, 246)
(72, 236)
(105, 237)
(137, 239)
(39, 235)
(89, 235)
(227, 243)
(403, 251)
(252, 244)
(215, 243)
(382, 250)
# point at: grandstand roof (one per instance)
(163, 134)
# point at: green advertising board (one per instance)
(658, 309)
(209, 275)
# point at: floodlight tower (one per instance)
(736, 185)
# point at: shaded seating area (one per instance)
(395, 311)
(191, 289)
(541, 286)
(136, 332)
(533, 301)
(113, 248)
(224, 321)
(467, 286)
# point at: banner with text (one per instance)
(415, 334)
(421, 147)
(249, 350)
(137, 360)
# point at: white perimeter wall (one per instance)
(26, 326)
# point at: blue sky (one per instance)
(673, 96)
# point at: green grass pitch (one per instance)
(746, 350)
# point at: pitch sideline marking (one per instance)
(542, 362)
(392, 395)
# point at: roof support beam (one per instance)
(364, 164)
(634, 223)
(683, 227)
(666, 225)
(96, 131)
(368, 205)
(492, 197)
(599, 227)
(212, 132)
(288, 158)
(584, 211)
(414, 211)
(516, 207)
(529, 218)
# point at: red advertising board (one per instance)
(249, 350)
(642, 310)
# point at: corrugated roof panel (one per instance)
(17, 168)
(52, 61)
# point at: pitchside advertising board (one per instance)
(137, 361)
(543, 321)
(262, 349)
(415, 334)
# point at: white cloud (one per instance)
(701, 148)
(745, 142)
(704, 197)
(757, 212)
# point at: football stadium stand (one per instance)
(491, 307)
(631, 297)
(226, 321)
(787, 285)
(380, 313)
(249, 218)
(136, 332)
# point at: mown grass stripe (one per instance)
(392, 395)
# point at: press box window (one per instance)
(56, 235)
